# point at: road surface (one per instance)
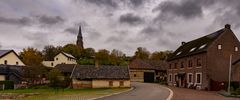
(142, 91)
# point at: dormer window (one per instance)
(219, 47)
(179, 53)
(192, 49)
(236, 48)
(202, 46)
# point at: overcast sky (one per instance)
(113, 24)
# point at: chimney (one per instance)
(97, 63)
(227, 26)
(183, 43)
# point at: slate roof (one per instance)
(11, 69)
(148, 64)
(196, 46)
(85, 72)
(4, 52)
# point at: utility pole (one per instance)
(229, 74)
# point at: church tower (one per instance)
(79, 38)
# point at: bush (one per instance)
(7, 84)
(40, 87)
(238, 91)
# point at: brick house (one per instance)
(91, 76)
(203, 63)
(147, 70)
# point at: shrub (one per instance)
(238, 91)
(7, 84)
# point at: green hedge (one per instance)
(7, 84)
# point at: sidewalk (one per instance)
(190, 94)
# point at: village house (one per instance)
(204, 63)
(60, 58)
(10, 57)
(11, 73)
(99, 76)
(147, 71)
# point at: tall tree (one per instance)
(50, 52)
(160, 55)
(116, 57)
(73, 49)
(142, 53)
(102, 56)
(88, 53)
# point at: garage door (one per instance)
(148, 77)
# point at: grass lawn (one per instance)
(67, 94)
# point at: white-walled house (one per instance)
(10, 57)
(60, 58)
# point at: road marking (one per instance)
(171, 93)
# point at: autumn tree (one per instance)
(88, 53)
(160, 55)
(142, 53)
(34, 69)
(116, 57)
(31, 57)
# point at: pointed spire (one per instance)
(79, 38)
(80, 32)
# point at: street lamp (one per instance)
(229, 74)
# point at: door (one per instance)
(148, 77)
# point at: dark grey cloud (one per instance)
(72, 30)
(107, 3)
(131, 19)
(15, 21)
(50, 20)
(136, 2)
(186, 9)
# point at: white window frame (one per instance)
(219, 46)
(175, 77)
(188, 78)
(200, 77)
(236, 48)
(170, 77)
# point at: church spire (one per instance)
(79, 38)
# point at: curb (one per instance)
(171, 92)
(112, 94)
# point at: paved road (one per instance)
(142, 91)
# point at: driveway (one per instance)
(142, 91)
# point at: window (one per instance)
(56, 58)
(202, 46)
(192, 49)
(236, 48)
(176, 77)
(198, 78)
(170, 77)
(135, 75)
(190, 78)
(179, 53)
(16, 63)
(199, 62)
(175, 65)
(5, 62)
(219, 47)
(121, 83)
(170, 66)
(182, 65)
(190, 63)
(51, 64)
(110, 83)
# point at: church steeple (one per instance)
(79, 38)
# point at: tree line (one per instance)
(33, 58)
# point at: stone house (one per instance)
(147, 71)
(60, 58)
(10, 57)
(204, 63)
(90, 76)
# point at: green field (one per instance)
(67, 94)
